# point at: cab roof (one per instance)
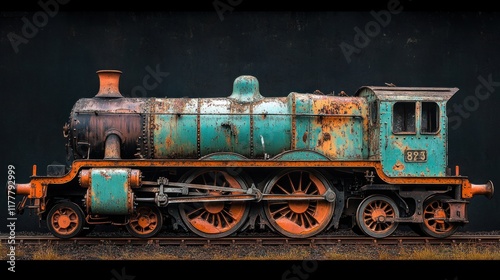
(407, 93)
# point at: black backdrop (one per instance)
(51, 49)
(50, 52)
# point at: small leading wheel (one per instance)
(436, 211)
(145, 222)
(65, 220)
(219, 218)
(375, 216)
(298, 218)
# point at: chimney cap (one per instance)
(109, 83)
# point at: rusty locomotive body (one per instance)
(298, 165)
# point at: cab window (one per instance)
(430, 118)
(403, 118)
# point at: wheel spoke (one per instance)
(309, 219)
(300, 182)
(283, 211)
(308, 187)
(196, 212)
(283, 189)
(292, 187)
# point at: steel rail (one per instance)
(248, 240)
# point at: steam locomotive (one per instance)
(297, 165)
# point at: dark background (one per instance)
(198, 50)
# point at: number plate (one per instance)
(415, 155)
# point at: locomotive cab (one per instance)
(409, 128)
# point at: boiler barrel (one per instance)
(193, 128)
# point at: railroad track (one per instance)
(266, 241)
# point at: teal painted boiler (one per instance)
(249, 125)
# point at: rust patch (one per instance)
(330, 109)
(326, 136)
(399, 166)
(169, 142)
(304, 137)
(398, 144)
(105, 175)
(231, 132)
(239, 108)
(178, 105)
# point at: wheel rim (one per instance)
(435, 213)
(65, 220)
(298, 219)
(146, 222)
(214, 219)
(375, 216)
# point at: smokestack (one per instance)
(109, 83)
